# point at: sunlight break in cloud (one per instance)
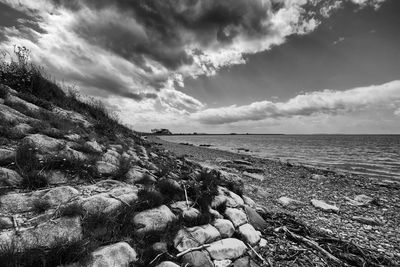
(319, 102)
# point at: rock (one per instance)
(236, 216)
(6, 222)
(12, 99)
(249, 202)
(167, 264)
(289, 202)
(73, 116)
(43, 143)
(226, 196)
(111, 157)
(64, 229)
(103, 203)
(242, 162)
(9, 177)
(255, 176)
(360, 200)
(324, 206)
(249, 234)
(224, 227)
(366, 220)
(255, 219)
(57, 177)
(72, 155)
(72, 137)
(60, 195)
(182, 208)
(318, 177)
(244, 262)
(7, 155)
(197, 259)
(13, 116)
(157, 219)
(93, 146)
(105, 168)
(23, 128)
(160, 247)
(222, 263)
(263, 243)
(195, 236)
(228, 248)
(119, 254)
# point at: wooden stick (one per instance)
(192, 249)
(313, 245)
(186, 197)
(159, 255)
(265, 262)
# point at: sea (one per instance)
(369, 155)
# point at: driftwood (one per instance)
(265, 262)
(192, 249)
(311, 244)
(117, 198)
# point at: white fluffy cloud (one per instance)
(319, 102)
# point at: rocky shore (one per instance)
(80, 189)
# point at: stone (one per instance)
(242, 262)
(9, 177)
(64, 229)
(318, 177)
(222, 263)
(100, 203)
(6, 222)
(226, 196)
(57, 177)
(167, 264)
(255, 219)
(195, 236)
(366, 220)
(73, 116)
(23, 128)
(73, 155)
(263, 243)
(249, 202)
(360, 200)
(13, 116)
(249, 234)
(60, 195)
(72, 137)
(236, 216)
(7, 155)
(43, 143)
(228, 248)
(119, 254)
(224, 227)
(289, 202)
(256, 176)
(157, 219)
(322, 205)
(242, 162)
(160, 247)
(197, 259)
(185, 209)
(111, 157)
(93, 146)
(105, 168)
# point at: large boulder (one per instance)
(157, 219)
(192, 237)
(225, 227)
(236, 216)
(249, 234)
(9, 177)
(64, 230)
(119, 254)
(228, 197)
(228, 248)
(185, 209)
(197, 259)
(43, 143)
(60, 195)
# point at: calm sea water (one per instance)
(370, 155)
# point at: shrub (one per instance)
(40, 205)
(72, 210)
(169, 189)
(150, 198)
(34, 180)
(123, 169)
(35, 100)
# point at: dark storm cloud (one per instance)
(164, 28)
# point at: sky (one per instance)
(244, 66)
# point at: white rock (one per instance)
(229, 198)
(106, 168)
(94, 146)
(360, 200)
(43, 143)
(222, 263)
(157, 219)
(287, 202)
(185, 209)
(73, 116)
(60, 195)
(263, 243)
(249, 202)
(236, 216)
(72, 137)
(324, 206)
(9, 177)
(197, 259)
(249, 234)
(225, 227)
(228, 248)
(194, 236)
(366, 220)
(119, 254)
(22, 128)
(167, 264)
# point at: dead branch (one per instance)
(192, 249)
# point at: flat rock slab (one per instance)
(197, 259)
(322, 205)
(194, 236)
(228, 248)
(157, 219)
(119, 254)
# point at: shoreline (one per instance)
(379, 231)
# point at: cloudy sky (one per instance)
(258, 66)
